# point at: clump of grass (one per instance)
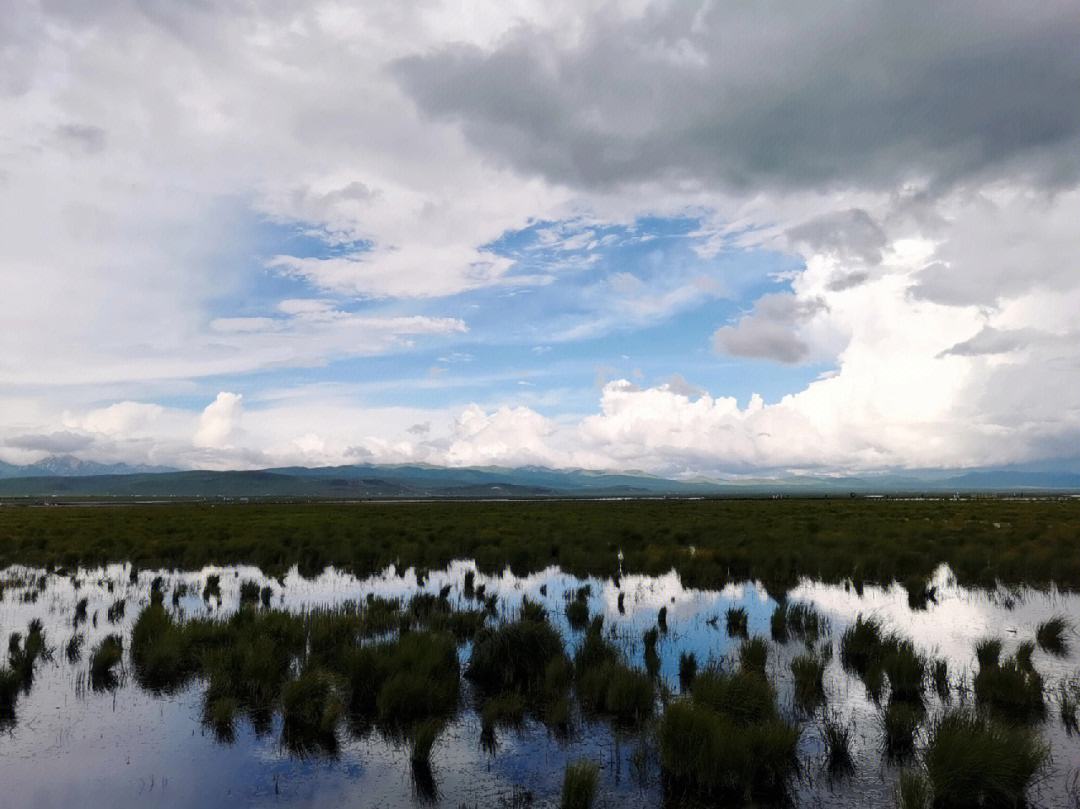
(212, 589)
(507, 710)
(468, 586)
(973, 760)
(1011, 691)
(80, 611)
(1068, 704)
(116, 611)
(423, 681)
(423, 740)
(249, 592)
(10, 684)
(906, 670)
(219, 714)
(1051, 635)
(180, 589)
(804, 622)
(688, 667)
(1024, 652)
(606, 685)
(861, 645)
(311, 707)
(753, 656)
(652, 657)
(727, 741)
(532, 610)
(737, 620)
(513, 657)
(809, 675)
(778, 624)
(23, 653)
(73, 648)
(939, 673)
(988, 652)
(913, 790)
(900, 723)
(920, 593)
(579, 785)
(104, 659)
(836, 738)
(577, 614)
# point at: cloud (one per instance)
(59, 442)
(220, 421)
(770, 97)
(993, 341)
(771, 330)
(847, 234)
(195, 201)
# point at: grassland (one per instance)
(708, 541)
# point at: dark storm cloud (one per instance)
(787, 95)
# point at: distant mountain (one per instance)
(70, 466)
(66, 476)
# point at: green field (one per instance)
(708, 542)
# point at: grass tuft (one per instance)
(579, 785)
(1051, 635)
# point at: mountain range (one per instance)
(72, 477)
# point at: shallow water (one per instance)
(127, 748)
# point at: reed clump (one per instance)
(104, 660)
(726, 742)
(972, 760)
(1051, 635)
(580, 782)
(737, 619)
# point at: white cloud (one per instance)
(219, 423)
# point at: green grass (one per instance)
(736, 619)
(311, 707)
(513, 657)
(905, 669)
(726, 742)
(104, 659)
(688, 667)
(753, 656)
(836, 738)
(808, 672)
(900, 723)
(972, 760)
(1011, 691)
(828, 539)
(580, 782)
(651, 655)
(577, 614)
(862, 645)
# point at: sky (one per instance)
(689, 238)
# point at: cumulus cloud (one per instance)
(220, 421)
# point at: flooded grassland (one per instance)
(460, 687)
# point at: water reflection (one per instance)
(76, 729)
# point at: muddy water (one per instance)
(71, 746)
